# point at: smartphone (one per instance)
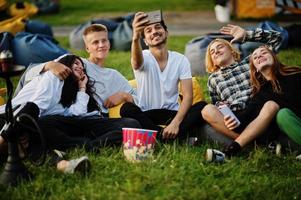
(154, 16)
(227, 111)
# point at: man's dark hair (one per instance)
(162, 23)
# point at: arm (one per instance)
(136, 49)
(172, 129)
(118, 98)
(80, 106)
(120, 91)
(211, 84)
(46, 91)
(239, 34)
(58, 69)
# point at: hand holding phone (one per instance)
(154, 16)
(225, 110)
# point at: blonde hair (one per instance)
(210, 67)
(94, 28)
(257, 79)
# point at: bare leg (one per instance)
(81, 165)
(62, 165)
(215, 118)
(259, 124)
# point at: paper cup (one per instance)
(138, 144)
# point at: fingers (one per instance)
(140, 19)
(63, 74)
(230, 122)
(227, 29)
(169, 135)
(107, 104)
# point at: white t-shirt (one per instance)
(45, 91)
(159, 90)
(107, 81)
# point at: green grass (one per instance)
(78, 11)
(178, 171)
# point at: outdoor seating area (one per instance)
(150, 99)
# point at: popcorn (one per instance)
(138, 144)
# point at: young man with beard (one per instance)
(158, 72)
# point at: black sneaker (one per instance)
(233, 149)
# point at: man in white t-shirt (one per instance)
(158, 72)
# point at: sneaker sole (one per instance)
(83, 167)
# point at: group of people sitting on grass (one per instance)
(70, 97)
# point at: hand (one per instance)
(230, 122)
(82, 83)
(139, 24)
(58, 69)
(236, 31)
(114, 100)
(171, 131)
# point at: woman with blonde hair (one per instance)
(274, 86)
(229, 81)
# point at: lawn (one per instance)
(74, 12)
(178, 171)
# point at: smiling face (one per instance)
(262, 59)
(155, 35)
(221, 54)
(78, 69)
(97, 45)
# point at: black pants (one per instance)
(92, 132)
(151, 119)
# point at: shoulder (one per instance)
(177, 55)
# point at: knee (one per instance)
(282, 115)
(128, 108)
(131, 123)
(209, 112)
(271, 106)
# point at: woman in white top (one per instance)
(48, 95)
(71, 97)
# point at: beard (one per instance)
(163, 42)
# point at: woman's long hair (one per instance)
(70, 88)
(210, 67)
(257, 79)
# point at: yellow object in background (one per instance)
(23, 8)
(2, 93)
(13, 25)
(254, 8)
(3, 5)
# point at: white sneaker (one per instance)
(81, 165)
(213, 155)
(276, 148)
(298, 157)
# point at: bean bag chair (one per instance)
(13, 25)
(35, 48)
(34, 26)
(23, 8)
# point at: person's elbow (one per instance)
(188, 97)
(136, 64)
